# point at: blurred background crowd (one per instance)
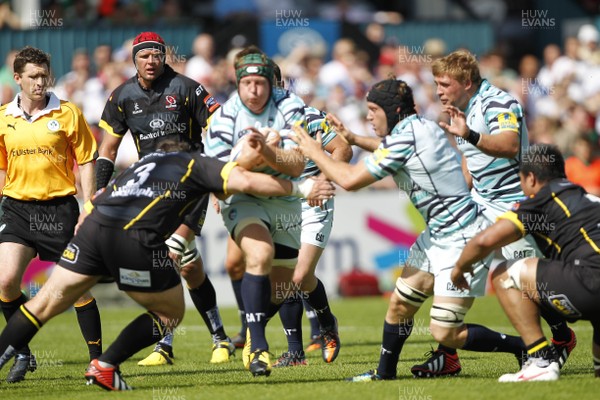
(557, 81)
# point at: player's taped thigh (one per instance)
(285, 256)
(513, 270)
(247, 222)
(448, 315)
(409, 294)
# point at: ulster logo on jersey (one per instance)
(171, 102)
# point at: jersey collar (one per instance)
(14, 110)
(484, 83)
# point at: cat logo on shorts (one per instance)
(563, 305)
(71, 253)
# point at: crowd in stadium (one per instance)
(560, 96)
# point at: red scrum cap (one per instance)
(147, 40)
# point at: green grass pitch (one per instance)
(62, 357)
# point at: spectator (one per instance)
(200, 66)
(583, 167)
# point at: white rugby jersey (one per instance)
(422, 162)
(489, 112)
(315, 123)
(228, 124)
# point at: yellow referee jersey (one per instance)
(38, 155)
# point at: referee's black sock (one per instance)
(290, 314)
(9, 308)
(480, 338)
(88, 317)
(205, 300)
(142, 332)
(558, 326)
(394, 336)
(17, 333)
(237, 291)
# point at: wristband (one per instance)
(473, 137)
(104, 170)
(302, 188)
(177, 244)
(191, 253)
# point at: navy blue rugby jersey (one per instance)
(175, 108)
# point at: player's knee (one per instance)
(446, 318)
(398, 308)
(507, 275)
(260, 260)
(499, 273)
(9, 286)
(171, 316)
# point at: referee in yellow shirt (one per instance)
(41, 138)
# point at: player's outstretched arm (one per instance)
(495, 237)
(350, 177)
(364, 142)
(239, 180)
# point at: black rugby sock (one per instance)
(142, 332)
(446, 349)
(19, 331)
(541, 349)
(318, 300)
(256, 291)
(88, 317)
(315, 329)
(394, 337)
(558, 326)
(480, 338)
(205, 300)
(9, 308)
(290, 314)
(237, 291)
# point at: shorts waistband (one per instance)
(54, 201)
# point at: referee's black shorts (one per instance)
(135, 259)
(45, 226)
(571, 291)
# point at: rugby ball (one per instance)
(272, 138)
